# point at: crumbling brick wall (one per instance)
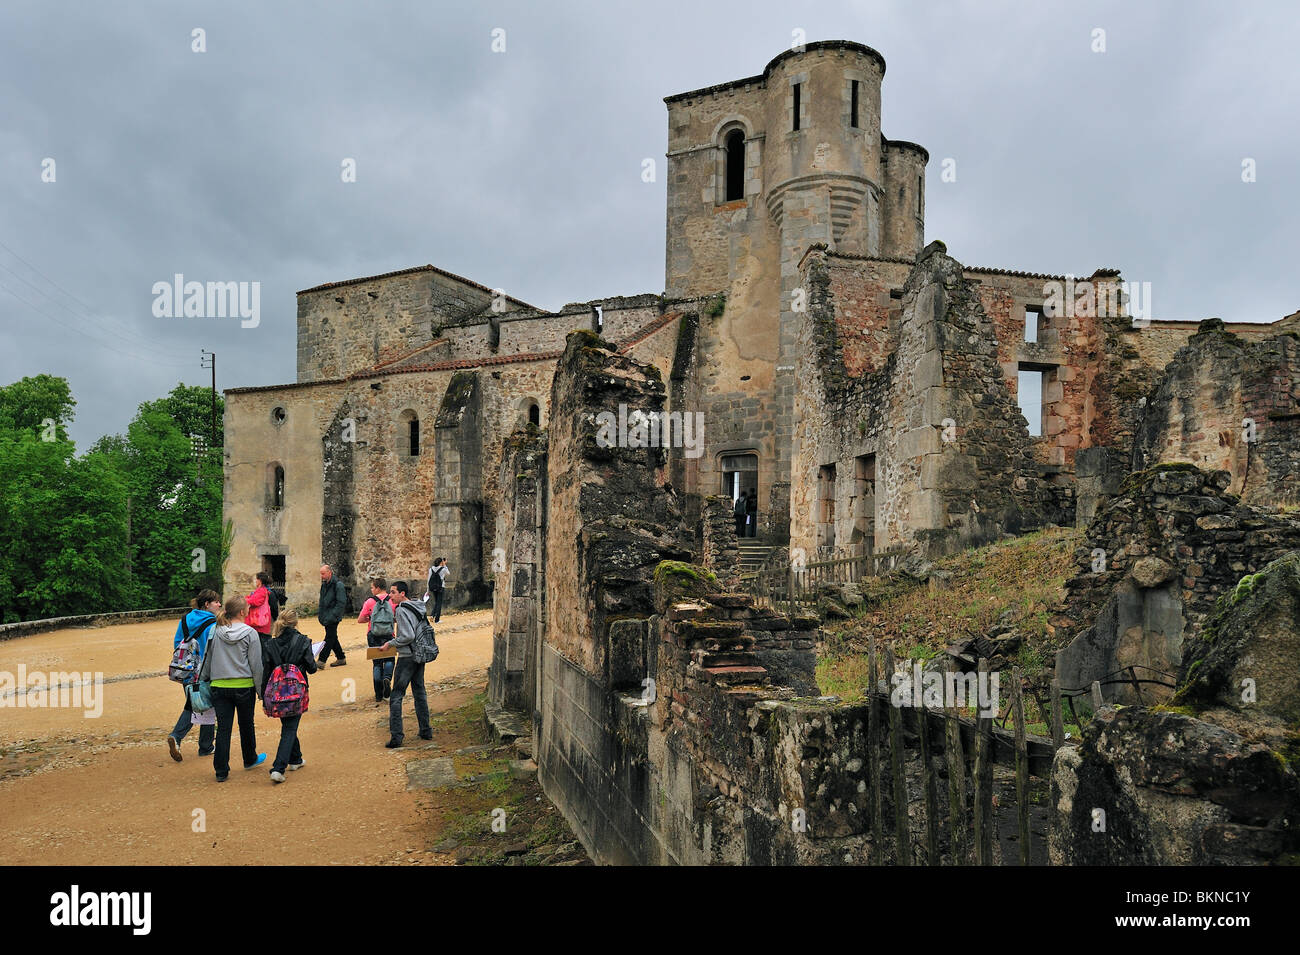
(1229, 403)
(949, 456)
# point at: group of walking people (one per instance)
(229, 655)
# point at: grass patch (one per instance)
(1023, 578)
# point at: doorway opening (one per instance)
(740, 481)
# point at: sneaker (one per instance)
(428, 735)
(388, 692)
(261, 758)
(222, 779)
(207, 752)
(277, 777)
(174, 748)
(297, 765)
(393, 743)
(339, 663)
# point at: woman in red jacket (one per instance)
(259, 607)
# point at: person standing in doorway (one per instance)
(751, 512)
(333, 602)
(740, 514)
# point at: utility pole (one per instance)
(209, 360)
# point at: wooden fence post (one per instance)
(1022, 765)
(927, 775)
(956, 778)
(873, 754)
(1058, 725)
(902, 834)
(983, 782)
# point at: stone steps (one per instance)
(730, 675)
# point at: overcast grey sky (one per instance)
(522, 169)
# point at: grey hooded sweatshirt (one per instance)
(234, 651)
(406, 625)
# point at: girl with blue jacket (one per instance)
(198, 624)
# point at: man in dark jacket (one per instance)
(333, 604)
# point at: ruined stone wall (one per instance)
(1232, 404)
(518, 613)
(936, 426)
(868, 296)
(1066, 350)
(716, 540)
(1157, 557)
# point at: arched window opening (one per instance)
(529, 412)
(275, 486)
(735, 146)
(408, 435)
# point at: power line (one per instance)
(121, 330)
(104, 344)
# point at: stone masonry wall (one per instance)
(1229, 403)
(1157, 557)
(948, 454)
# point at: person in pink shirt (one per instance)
(377, 611)
(259, 607)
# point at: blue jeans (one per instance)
(183, 724)
(408, 673)
(290, 751)
(228, 701)
(383, 676)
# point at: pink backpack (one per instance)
(286, 691)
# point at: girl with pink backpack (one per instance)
(286, 661)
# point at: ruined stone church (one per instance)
(795, 232)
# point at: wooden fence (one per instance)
(796, 588)
(970, 747)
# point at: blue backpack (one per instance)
(186, 658)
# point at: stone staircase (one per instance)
(753, 555)
(722, 649)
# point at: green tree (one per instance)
(175, 487)
(62, 529)
(29, 403)
(134, 523)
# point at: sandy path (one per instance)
(98, 790)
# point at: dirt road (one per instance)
(80, 789)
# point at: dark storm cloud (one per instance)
(523, 169)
